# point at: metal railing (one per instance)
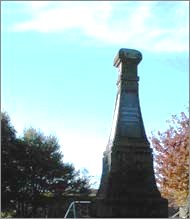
(178, 215)
(72, 206)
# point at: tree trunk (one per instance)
(18, 209)
(22, 208)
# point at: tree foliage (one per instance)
(8, 169)
(171, 151)
(32, 166)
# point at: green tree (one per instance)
(8, 169)
(172, 160)
(35, 168)
(45, 171)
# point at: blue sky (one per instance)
(58, 75)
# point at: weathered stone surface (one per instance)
(128, 187)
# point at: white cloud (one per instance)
(36, 5)
(120, 23)
(60, 16)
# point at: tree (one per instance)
(44, 169)
(171, 152)
(8, 169)
(32, 166)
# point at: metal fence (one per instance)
(78, 209)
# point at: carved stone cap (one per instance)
(127, 56)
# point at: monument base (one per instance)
(129, 189)
(135, 208)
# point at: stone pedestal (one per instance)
(128, 187)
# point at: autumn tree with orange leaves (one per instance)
(171, 156)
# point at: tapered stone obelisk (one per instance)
(128, 187)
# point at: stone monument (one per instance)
(128, 187)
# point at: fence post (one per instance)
(74, 210)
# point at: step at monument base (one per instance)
(136, 208)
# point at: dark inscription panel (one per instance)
(129, 117)
(129, 114)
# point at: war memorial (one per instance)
(128, 186)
